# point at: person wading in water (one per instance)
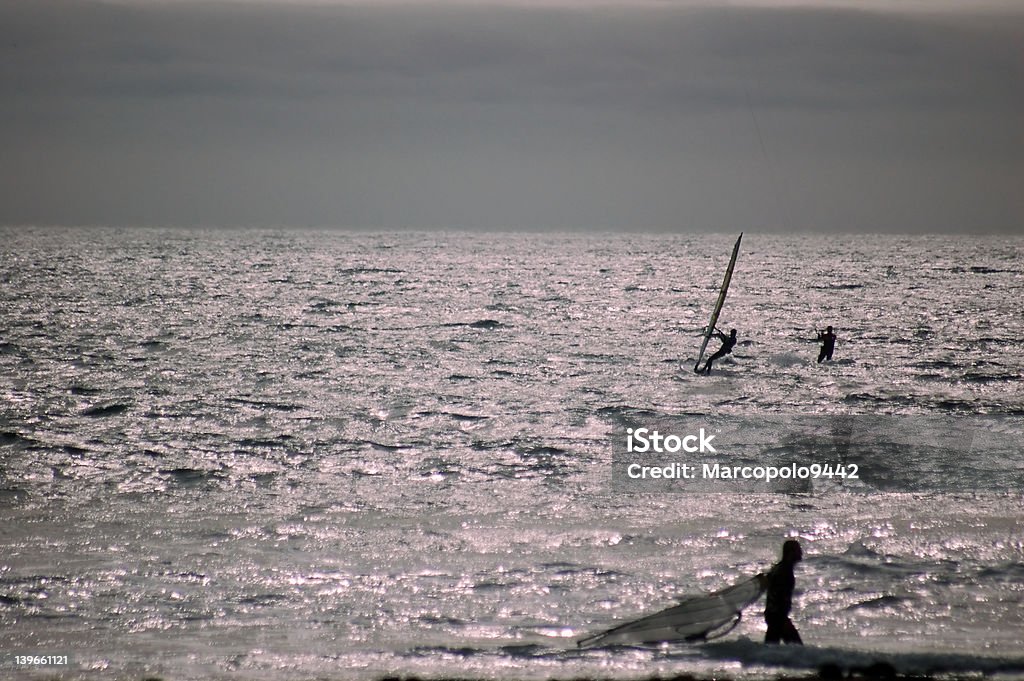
(779, 583)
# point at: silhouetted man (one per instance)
(780, 583)
(828, 344)
(727, 344)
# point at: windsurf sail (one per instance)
(694, 619)
(710, 331)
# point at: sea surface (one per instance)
(324, 455)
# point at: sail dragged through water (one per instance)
(718, 305)
(692, 620)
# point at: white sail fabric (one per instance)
(693, 619)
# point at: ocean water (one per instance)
(298, 455)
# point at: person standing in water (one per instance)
(727, 344)
(779, 584)
(828, 344)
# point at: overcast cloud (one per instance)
(652, 116)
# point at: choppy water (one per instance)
(293, 455)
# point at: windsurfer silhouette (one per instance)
(727, 344)
(780, 583)
(828, 344)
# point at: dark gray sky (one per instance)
(616, 115)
